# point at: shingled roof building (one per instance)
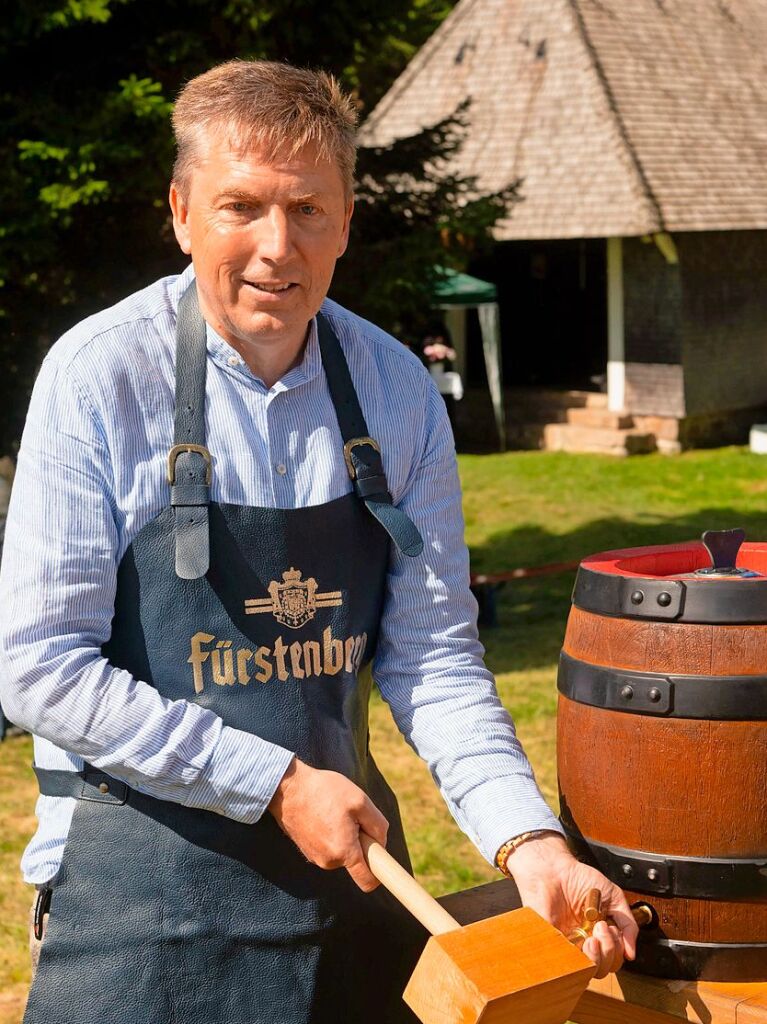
(635, 263)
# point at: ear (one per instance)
(344, 240)
(181, 225)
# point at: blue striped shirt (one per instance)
(91, 474)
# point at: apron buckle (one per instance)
(180, 449)
(42, 907)
(354, 443)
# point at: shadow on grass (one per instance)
(532, 614)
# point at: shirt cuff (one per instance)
(506, 807)
(241, 776)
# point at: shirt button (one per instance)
(281, 468)
(233, 361)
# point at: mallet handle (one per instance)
(404, 887)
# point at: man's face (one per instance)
(264, 239)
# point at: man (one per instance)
(6, 478)
(226, 505)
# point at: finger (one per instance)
(616, 961)
(609, 946)
(593, 951)
(627, 926)
(370, 820)
(610, 940)
(360, 873)
(618, 955)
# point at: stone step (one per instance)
(573, 421)
(526, 436)
(569, 437)
(537, 415)
(539, 398)
(600, 418)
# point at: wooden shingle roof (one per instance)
(622, 117)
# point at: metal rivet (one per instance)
(103, 787)
(654, 694)
(637, 597)
(627, 870)
(652, 874)
(664, 599)
(627, 692)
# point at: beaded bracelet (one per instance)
(511, 845)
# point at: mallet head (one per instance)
(511, 969)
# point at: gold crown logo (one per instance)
(294, 601)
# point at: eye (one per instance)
(308, 209)
(237, 206)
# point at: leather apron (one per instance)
(173, 915)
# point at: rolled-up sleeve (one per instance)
(57, 590)
(429, 665)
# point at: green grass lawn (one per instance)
(522, 509)
(535, 508)
(17, 800)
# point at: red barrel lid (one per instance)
(717, 580)
(673, 560)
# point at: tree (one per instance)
(87, 149)
(412, 216)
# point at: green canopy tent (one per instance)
(456, 293)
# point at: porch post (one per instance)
(616, 351)
(455, 321)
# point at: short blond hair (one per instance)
(266, 106)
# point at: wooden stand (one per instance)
(625, 998)
(628, 998)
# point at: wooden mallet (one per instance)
(511, 969)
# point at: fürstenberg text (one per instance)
(230, 665)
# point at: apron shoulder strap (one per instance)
(362, 453)
(189, 462)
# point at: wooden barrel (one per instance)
(662, 750)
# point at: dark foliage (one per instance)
(86, 89)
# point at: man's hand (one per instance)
(553, 883)
(323, 813)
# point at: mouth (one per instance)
(271, 287)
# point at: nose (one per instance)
(275, 242)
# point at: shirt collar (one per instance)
(180, 285)
(230, 360)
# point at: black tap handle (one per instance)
(723, 546)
